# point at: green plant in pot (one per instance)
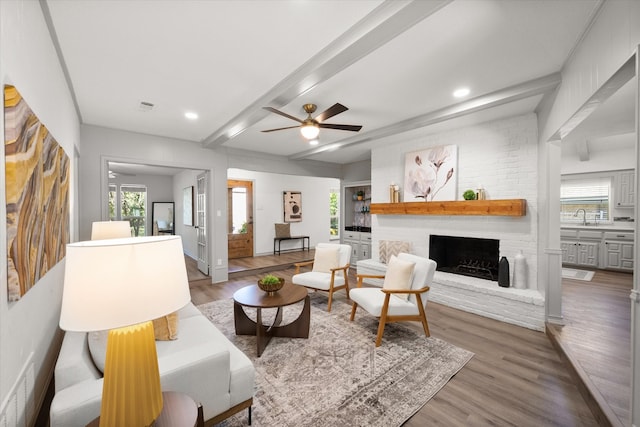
(271, 284)
(360, 194)
(469, 195)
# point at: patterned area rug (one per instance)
(338, 377)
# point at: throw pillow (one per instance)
(165, 328)
(283, 230)
(325, 259)
(399, 275)
(387, 248)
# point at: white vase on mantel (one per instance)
(520, 271)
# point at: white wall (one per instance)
(501, 155)
(100, 145)
(268, 207)
(28, 61)
(187, 178)
(358, 171)
(610, 154)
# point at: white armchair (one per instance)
(329, 272)
(403, 296)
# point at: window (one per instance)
(129, 204)
(334, 213)
(113, 202)
(591, 194)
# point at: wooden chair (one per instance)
(390, 303)
(330, 268)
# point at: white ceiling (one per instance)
(394, 64)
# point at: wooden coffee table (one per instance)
(253, 296)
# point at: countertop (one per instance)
(616, 226)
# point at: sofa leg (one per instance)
(249, 409)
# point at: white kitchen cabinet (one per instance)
(625, 189)
(569, 251)
(360, 243)
(618, 251)
(581, 247)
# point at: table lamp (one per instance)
(101, 230)
(122, 285)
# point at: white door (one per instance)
(201, 223)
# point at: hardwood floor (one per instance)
(515, 378)
(596, 338)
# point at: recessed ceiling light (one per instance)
(462, 92)
(191, 115)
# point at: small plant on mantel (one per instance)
(271, 284)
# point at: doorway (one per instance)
(240, 218)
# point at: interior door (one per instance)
(201, 224)
(240, 218)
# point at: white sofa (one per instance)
(201, 363)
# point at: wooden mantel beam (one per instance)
(505, 207)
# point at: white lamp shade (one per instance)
(120, 282)
(101, 230)
(310, 131)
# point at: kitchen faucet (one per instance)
(584, 215)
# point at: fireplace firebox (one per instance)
(467, 256)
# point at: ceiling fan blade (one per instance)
(352, 128)
(337, 108)
(273, 110)
(272, 130)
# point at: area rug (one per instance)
(575, 274)
(337, 377)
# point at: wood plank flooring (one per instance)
(596, 337)
(516, 377)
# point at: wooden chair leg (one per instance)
(353, 311)
(423, 316)
(330, 299)
(383, 319)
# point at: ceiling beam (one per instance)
(503, 96)
(582, 147)
(382, 25)
(615, 82)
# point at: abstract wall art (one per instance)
(292, 206)
(431, 174)
(37, 196)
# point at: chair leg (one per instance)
(330, 299)
(383, 319)
(346, 283)
(423, 317)
(353, 311)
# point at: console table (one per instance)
(278, 240)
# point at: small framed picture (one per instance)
(292, 201)
(187, 205)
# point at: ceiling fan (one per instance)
(310, 127)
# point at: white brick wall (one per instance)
(500, 155)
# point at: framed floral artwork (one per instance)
(431, 174)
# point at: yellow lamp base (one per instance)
(131, 392)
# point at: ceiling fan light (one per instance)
(310, 131)
(313, 141)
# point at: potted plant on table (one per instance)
(271, 284)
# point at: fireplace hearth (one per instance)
(468, 256)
